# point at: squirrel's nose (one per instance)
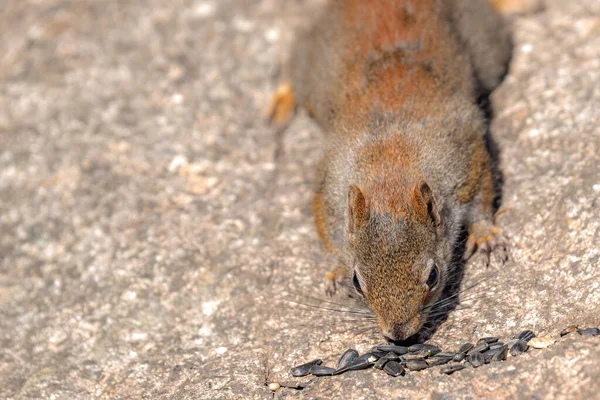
(401, 331)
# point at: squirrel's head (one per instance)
(399, 254)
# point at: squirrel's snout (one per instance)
(402, 331)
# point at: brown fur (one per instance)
(394, 84)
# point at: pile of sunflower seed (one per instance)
(395, 359)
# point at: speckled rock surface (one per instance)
(148, 249)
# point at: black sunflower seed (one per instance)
(459, 357)
(476, 360)
(500, 354)
(416, 365)
(589, 332)
(362, 362)
(346, 358)
(319, 370)
(429, 350)
(438, 361)
(465, 347)
(379, 364)
(446, 354)
(393, 368)
(304, 369)
(416, 347)
(496, 345)
(526, 335)
(519, 348)
(480, 348)
(408, 357)
(400, 350)
(450, 369)
(488, 340)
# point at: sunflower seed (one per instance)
(416, 347)
(488, 340)
(452, 368)
(379, 364)
(319, 370)
(304, 369)
(589, 332)
(346, 358)
(465, 347)
(416, 365)
(400, 350)
(476, 360)
(567, 330)
(438, 361)
(519, 348)
(500, 354)
(526, 335)
(480, 348)
(393, 368)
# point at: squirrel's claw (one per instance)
(485, 238)
(333, 279)
(283, 105)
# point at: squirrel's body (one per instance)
(395, 85)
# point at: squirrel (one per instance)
(395, 85)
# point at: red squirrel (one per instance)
(394, 84)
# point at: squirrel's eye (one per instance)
(433, 277)
(356, 284)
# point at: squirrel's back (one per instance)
(367, 58)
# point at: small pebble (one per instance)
(476, 360)
(488, 340)
(346, 358)
(450, 369)
(500, 354)
(393, 368)
(589, 332)
(304, 369)
(416, 365)
(568, 330)
(465, 347)
(526, 335)
(459, 357)
(479, 348)
(274, 386)
(400, 350)
(541, 342)
(319, 370)
(519, 348)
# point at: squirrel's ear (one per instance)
(357, 209)
(425, 203)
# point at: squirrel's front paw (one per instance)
(333, 279)
(485, 237)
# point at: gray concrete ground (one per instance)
(146, 253)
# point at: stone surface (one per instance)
(151, 248)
